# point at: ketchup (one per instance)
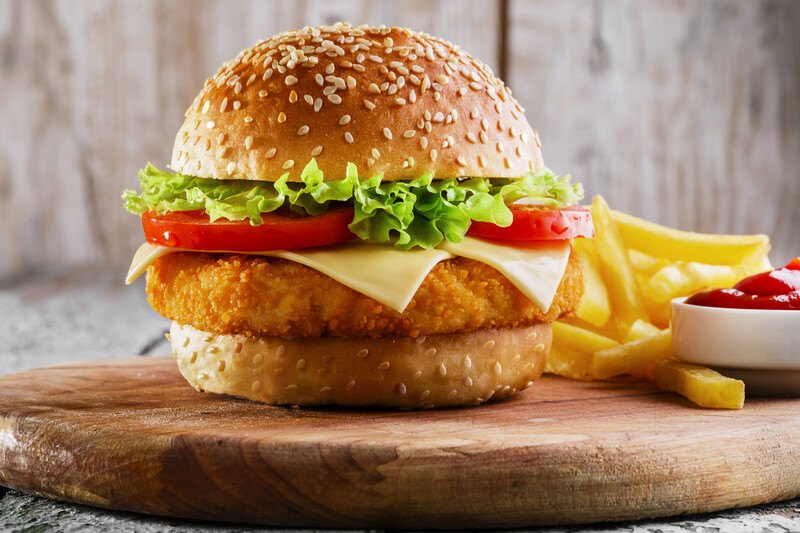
(779, 289)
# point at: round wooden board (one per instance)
(130, 434)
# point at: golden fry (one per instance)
(644, 264)
(570, 364)
(567, 337)
(683, 279)
(640, 330)
(632, 357)
(618, 273)
(677, 245)
(595, 307)
(703, 386)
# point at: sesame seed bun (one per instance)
(434, 371)
(390, 100)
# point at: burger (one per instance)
(358, 216)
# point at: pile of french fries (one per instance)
(632, 270)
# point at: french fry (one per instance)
(677, 245)
(645, 264)
(595, 307)
(640, 330)
(623, 290)
(609, 329)
(703, 386)
(567, 337)
(683, 279)
(659, 313)
(632, 357)
(570, 364)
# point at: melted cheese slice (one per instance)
(392, 277)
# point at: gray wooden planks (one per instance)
(687, 113)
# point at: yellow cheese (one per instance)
(392, 277)
(535, 269)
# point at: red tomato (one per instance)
(194, 231)
(538, 224)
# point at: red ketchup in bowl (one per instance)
(778, 289)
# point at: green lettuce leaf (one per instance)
(422, 212)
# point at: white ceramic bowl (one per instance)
(760, 347)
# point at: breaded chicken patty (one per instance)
(229, 294)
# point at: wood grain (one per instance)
(687, 113)
(132, 435)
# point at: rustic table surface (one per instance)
(58, 317)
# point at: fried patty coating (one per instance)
(227, 294)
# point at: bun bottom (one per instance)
(434, 371)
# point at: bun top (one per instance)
(390, 100)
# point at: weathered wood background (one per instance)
(685, 112)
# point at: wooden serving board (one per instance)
(130, 434)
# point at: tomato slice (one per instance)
(194, 231)
(538, 224)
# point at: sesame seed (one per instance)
(467, 361)
(257, 358)
(291, 80)
(489, 345)
(471, 138)
(461, 161)
(376, 153)
(384, 366)
(538, 348)
(507, 162)
(400, 101)
(248, 142)
(281, 117)
(308, 99)
(317, 105)
(271, 153)
(288, 164)
(290, 388)
(409, 133)
(205, 107)
(334, 99)
(434, 154)
(344, 120)
(319, 79)
(231, 167)
(387, 133)
(373, 88)
(412, 96)
(193, 358)
(376, 59)
(498, 368)
(221, 366)
(483, 136)
(442, 370)
(330, 68)
(481, 161)
(438, 117)
(362, 353)
(210, 124)
(500, 148)
(402, 389)
(532, 336)
(424, 394)
(417, 374)
(278, 371)
(348, 137)
(238, 88)
(369, 105)
(248, 119)
(423, 142)
(302, 130)
(316, 151)
(292, 97)
(301, 364)
(236, 105)
(350, 386)
(255, 386)
(452, 394)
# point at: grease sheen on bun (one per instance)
(434, 371)
(390, 100)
